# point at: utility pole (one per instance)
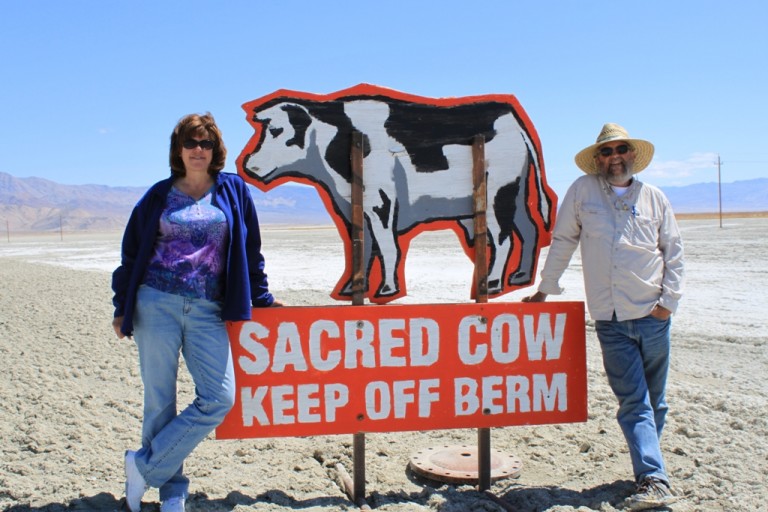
(719, 190)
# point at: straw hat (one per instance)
(585, 158)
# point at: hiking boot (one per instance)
(650, 493)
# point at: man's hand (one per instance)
(660, 312)
(536, 297)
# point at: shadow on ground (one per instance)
(196, 502)
(449, 497)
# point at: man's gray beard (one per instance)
(619, 180)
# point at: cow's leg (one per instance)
(370, 117)
(501, 212)
(384, 236)
(499, 230)
(346, 290)
(468, 230)
(528, 232)
(499, 246)
(380, 242)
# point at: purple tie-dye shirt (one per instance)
(190, 251)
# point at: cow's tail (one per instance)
(545, 202)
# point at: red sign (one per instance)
(337, 370)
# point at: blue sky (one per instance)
(92, 89)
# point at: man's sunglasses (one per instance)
(192, 144)
(621, 150)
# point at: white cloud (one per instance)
(275, 202)
(696, 165)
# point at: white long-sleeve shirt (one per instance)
(631, 248)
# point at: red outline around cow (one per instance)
(417, 175)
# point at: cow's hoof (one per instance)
(348, 291)
(519, 278)
(386, 291)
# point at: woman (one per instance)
(191, 260)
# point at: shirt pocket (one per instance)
(596, 221)
(645, 232)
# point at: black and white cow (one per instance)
(417, 169)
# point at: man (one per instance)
(632, 257)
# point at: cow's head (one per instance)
(282, 141)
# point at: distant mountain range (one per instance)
(36, 204)
(739, 196)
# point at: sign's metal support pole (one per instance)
(358, 296)
(479, 194)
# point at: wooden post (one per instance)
(479, 194)
(358, 294)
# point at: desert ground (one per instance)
(71, 394)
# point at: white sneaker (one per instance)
(135, 485)
(175, 504)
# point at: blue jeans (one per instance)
(636, 361)
(165, 325)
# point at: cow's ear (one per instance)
(300, 120)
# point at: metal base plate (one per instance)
(457, 464)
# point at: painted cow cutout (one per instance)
(417, 175)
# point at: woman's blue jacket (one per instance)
(245, 280)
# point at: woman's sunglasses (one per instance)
(192, 144)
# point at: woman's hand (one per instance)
(117, 322)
